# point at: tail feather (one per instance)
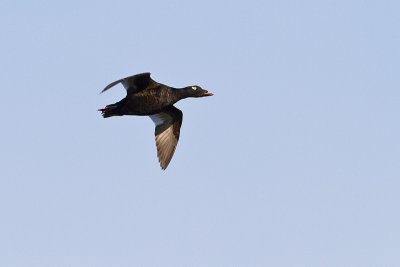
(109, 111)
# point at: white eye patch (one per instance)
(194, 87)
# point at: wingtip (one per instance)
(105, 89)
(163, 166)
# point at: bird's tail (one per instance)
(109, 111)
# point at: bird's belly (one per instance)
(142, 106)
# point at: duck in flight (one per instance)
(146, 97)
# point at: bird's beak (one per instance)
(208, 94)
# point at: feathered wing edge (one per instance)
(133, 83)
(168, 123)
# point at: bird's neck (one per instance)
(180, 93)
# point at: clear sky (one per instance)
(293, 162)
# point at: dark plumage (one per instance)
(146, 97)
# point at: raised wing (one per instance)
(168, 124)
(134, 83)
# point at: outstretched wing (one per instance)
(134, 83)
(168, 124)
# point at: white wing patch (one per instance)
(157, 119)
(160, 118)
(125, 83)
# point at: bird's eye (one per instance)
(194, 87)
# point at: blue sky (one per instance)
(293, 162)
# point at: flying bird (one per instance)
(146, 97)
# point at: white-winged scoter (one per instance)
(146, 97)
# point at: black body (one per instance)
(148, 97)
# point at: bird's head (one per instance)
(197, 91)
